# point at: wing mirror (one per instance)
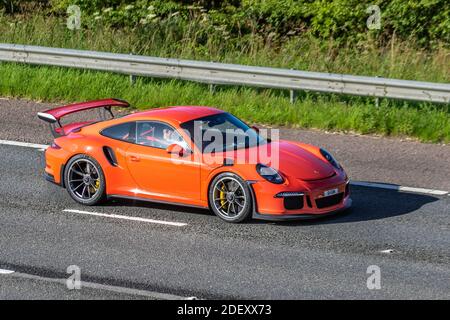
(176, 149)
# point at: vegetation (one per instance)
(425, 21)
(317, 35)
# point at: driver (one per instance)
(170, 136)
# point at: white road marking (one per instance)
(399, 188)
(4, 271)
(24, 144)
(116, 216)
(97, 286)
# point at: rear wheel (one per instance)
(230, 198)
(85, 180)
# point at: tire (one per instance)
(230, 198)
(85, 180)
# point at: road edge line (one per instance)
(23, 144)
(399, 188)
(98, 286)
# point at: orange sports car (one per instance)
(194, 156)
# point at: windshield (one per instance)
(221, 132)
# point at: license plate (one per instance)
(330, 192)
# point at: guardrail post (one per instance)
(377, 99)
(132, 77)
(212, 88)
(292, 96)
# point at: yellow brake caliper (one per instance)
(97, 185)
(222, 196)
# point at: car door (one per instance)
(160, 174)
(115, 142)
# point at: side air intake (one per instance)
(110, 156)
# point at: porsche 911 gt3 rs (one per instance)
(195, 156)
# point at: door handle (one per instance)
(135, 158)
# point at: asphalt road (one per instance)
(208, 258)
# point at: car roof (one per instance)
(174, 114)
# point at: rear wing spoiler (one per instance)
(53, 116)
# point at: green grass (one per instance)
(425, 122)
(192, 40)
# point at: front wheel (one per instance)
(85, 180)
(230, 198)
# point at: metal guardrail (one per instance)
(230, 74)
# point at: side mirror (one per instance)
(255, 128)
(176, 149)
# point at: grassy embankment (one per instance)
(397, 60)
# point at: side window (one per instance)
(157, 135)
(124, 131)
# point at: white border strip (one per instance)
(399, 188)
(116, 216)
(23, 144)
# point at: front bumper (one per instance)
(303, 216)
(312, 204)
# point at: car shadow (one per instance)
(373, 204)
(119, 202)
(368, 204)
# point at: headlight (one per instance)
(270, 174)
(330, 158)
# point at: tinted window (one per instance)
(222, 132)
(124, 131)
(158, 135)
